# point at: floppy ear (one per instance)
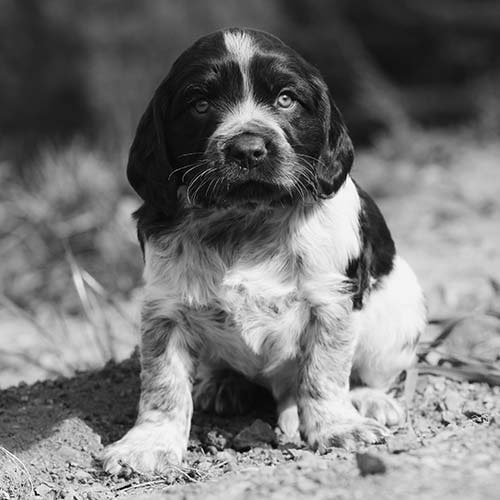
(339, 153)
(149, 168)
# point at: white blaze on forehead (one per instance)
(247, 114)
(241, 47)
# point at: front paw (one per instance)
(348, 435)
(148, 448)
(340, 427)
(375, 404)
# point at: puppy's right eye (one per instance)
(285, 100)
(201, 106)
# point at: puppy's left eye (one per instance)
(285, 101)
(201, 106)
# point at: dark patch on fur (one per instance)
(377, 254)
(156, 336)
(376, 236)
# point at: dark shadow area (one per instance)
(106, 400)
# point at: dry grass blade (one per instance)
(88, 309)
(453, 365)
(449, 326)
(97, 288)
(410, 386)
(146, 484)
(476, 373)
(189, 474)
(15, 480)
(460, 360)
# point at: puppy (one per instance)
(264, 261)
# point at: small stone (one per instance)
(82, 476)
(228, 459)
(226, 456)
(400, 443)
(43, 490)
(439, 384)
(204, 465)
(447, 417)
(306, 459)
(258, 434)
(453, 401)
(370, 464)
(69, 494)
(475, 413)
(216, 438)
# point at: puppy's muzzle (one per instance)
(248, 150)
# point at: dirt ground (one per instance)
(58, 429)
(444, 217)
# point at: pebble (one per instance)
(370, 464)
(43, 490)
(453, 401)
(82, 476)
(399, 443)
(447, 417)
(475, 413)
(228, 458)
(217, 439)
(204, 465)
(257, 434)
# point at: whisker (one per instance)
(190, 165)
(195, 180)
(191, 154)
(200, 185)
(192, 168)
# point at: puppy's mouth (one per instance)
(254, 190)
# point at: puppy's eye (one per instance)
(201, 106)
(285, 101)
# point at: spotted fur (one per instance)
(280, 269)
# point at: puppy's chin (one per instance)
(247, 193)
(257, 192)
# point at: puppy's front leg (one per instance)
(160, 435)
(327, 416)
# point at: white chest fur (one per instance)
(247, 297)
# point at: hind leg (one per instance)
(389, 326)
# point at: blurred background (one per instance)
(417, 83)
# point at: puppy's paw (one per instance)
(347, 435)
(288, 421)
(148, 448)
(337, 424)
(225, 392)
(375, 404)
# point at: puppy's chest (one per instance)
(248, 314)
(254, 317)
(247, 297)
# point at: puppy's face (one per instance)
(240, 117)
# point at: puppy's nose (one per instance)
(248, 149)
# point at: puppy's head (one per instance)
(240, 117)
